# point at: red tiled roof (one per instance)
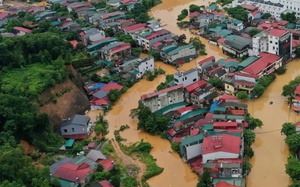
(157, 44)
(195, 85)
(194, 131)
(100, 40)
(228, 97)
(297, 124)
(206, 59)
(209, 115)
(127, 20)
(244, 83)
(22, 29)
(107, 164)
(135, 26)
(169, 40)
(218, 125)
(246, 75)
(221, 143)
(277, 32)
(177, 139)
(145, 96)
(283, 22)
(215, 69)
(264, 26)
(105, 183)
(194, 14)
(157, 33)
(221, 40)
(217, 13)
(99, 102)
(255, 13)
(3, 15)
(120, 48)
(127, 1)
(225, 184)
(172, 132)
(104, 16)
(260, 64)
(188, 108)
(112, 86)
(237, 112)
(91, 145)
(297, 91)
(296, 43)
(249, 7)
(178, 124)
(74, 43)
(72, 172)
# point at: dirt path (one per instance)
(27, 147)
(128, 161)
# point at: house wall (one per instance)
(165, 99)
(149, 43)
(193, 151)
(272, 67)
(237, 27)
(186, 79)
(217, 155)
(73, 129)
(229, 89)
(259, 44)
(147, 65)
(244, 78)
(183, 53)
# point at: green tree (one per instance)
(254, 31)
(242, 95)
(216, 82)
(293, 141)
(175, 146)
(181, 39)
(213, 25)
(266, 15)
(114, 95)
(205, 179)
(195, 41)
(72, 36)
(136, 51)
(292, 168)
(288, 129)
(109, 32)
(249, 137)
(258, 90)
(289, 16)
(296, 183)
(11, 24)
(253, 123)
(238, 12)
(185, 12)
(194, 8)
(248, 151)
(246, 167)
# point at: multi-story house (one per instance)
(186, 78)
(115, 51)
(107, 19)
(179, 53)
(163, 98)
(236, 46)
(147, 39)
(280, 42)
(235, 24)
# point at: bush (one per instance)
(242, 95)
(175, 146)
(281, 70)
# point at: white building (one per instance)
(146, 64)
(274, 7)
(274, 41)
(235, 24)
(186, 78)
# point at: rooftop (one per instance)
(277, 32)
(259, 65)
(173, 88)
(195, 85)
(221, 143)
(211, 58)
(76, 120)
(179, 48)
(157, 33)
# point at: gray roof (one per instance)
(237, 42)
(180, 73)
(56, 165)
(76, 120)
(219, 73)
(100, 94)
(95, 155)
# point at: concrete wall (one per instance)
(186, 79)
(183, 53)
(217, 155)
(147, 65)
(73, 129)
(193, 151)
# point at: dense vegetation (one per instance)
(289, 89)
(163, 85)
(262, 85)
(238, 12)
(140, 11)
(149, 122)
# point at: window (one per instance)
(185, 78)
(65, 130)
(194, 80)
(73, 130)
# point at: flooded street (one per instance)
(270, 150)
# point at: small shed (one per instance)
(69, 143)
(92, 145)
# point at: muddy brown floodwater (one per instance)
(270, 150)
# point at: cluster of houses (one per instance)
(208, 126)
(148, 36)
(274, 35)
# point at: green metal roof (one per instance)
(207, 127)
(229, 117)
(171, 107)
(234, 21)
(213, 133)
(144, 34)
(65, 183)
(100, 62)
(81, 159)
(212, 7)
(69, 143)
(247, 62)
(135, 72)
(190, 140)
(226, 63)
(176, 50)
(191, 114)
(169, 48)
(217, 108)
